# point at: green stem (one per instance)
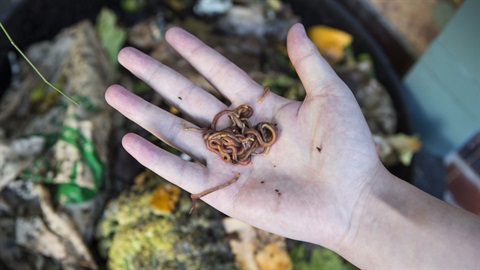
(34, 68)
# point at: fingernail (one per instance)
(301, 28)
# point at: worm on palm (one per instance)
(240, 139)
(197, 196)
(265, 92)
(237, 142)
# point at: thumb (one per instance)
(315, 73)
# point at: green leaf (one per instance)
(111, 36)
(132, 5)
(320, 258)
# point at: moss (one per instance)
(148, 227)
(149, 245)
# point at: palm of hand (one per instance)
(313, 174)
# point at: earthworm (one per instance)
(265, 92)
(197, 196)
(240, 139)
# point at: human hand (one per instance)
(312, 183)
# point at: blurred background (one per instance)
(72, 198)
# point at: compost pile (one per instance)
(72, 198)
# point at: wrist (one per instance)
(366, 206)
(371, 207)
(399, 226)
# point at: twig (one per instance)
(34, 68)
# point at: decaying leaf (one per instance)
(245, 245)
(179, 5)
(17, 155)
(53, 234)
(280, 84)
(33, 233)
(132, 5)
(69, 146)
(330, 42)
(256, 249)
(399, 147)
(273, 257)
(76, 136)
(111, 36)
(64, 227)
(374, 100)
(146, 34)
(164, 198)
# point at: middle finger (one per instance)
(231, 81)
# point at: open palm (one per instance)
(314, 176)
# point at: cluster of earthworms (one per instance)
(239, 141)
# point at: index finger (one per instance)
(232, 82)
